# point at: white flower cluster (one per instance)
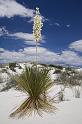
(37, 27)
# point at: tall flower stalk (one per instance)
(37, 27)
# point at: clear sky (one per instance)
(61, 34)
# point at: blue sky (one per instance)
(61, 33)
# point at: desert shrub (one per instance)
(68, 78)
(1, 81)
(8, 86)
(77, 93)
(61, 96)
(20, 67)
(35, 83)
(4, 70)
(57, 71)
(68, 69)
(51, 65)
(1, 66)
(12, 66)
(60, 67)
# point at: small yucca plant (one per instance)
(36, 85)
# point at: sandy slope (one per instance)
(69, 112)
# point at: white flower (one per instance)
(37, 26)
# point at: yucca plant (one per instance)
(34, 86)
(35, 82)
